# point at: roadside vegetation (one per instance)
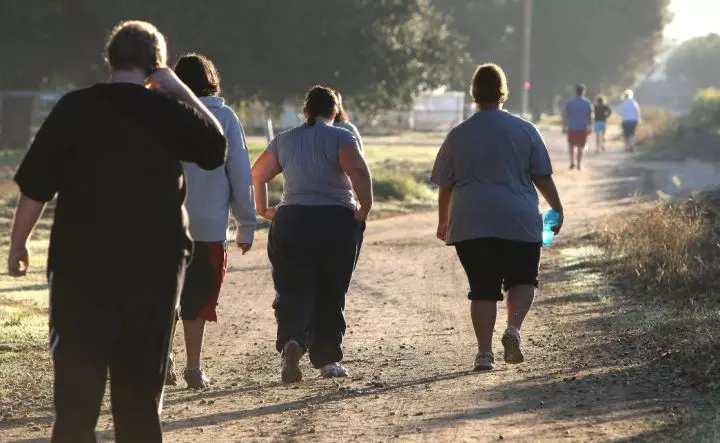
(664, 259)
(696, 135)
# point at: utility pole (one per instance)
(527, 32)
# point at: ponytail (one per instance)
(320, 102)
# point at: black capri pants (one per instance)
(494, 264)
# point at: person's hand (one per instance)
(269, 213)
(589, 129)
(361, 214)
(165, 79)
(242, 244)
(561, 218)
(18, 262)
(442, 229)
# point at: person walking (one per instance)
(342, 120)
(577, 124)
(487, 170)
(316, 232)
(212, 196)
(601, 112)
(629, 111)
(119, 242)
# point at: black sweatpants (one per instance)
(121, 324)
(313, 251)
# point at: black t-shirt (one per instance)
(602, 112)
(112, 155)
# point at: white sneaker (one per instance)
(334, 370)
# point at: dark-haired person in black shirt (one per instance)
(119, 243)
(602, 113)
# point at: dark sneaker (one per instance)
(334, 370)
(511, 343)
(170, 374)
(196, 379)
(484, 361)
(291, 355)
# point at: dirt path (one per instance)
(410, 346)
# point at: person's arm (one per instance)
(443, 175)
(546, 186)
(196, 133)
(39, 177)
(242, 199)
(266, 168)
(565, 118)
(27, 214)
(444, 195)
(354, 166)
(541, 173)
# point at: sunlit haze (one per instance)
(693, 18)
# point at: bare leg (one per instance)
(519, 302)
(483, 314)
(572, 156)
(580, 150)
(598, 141)
(194, 334)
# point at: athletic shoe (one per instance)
(572, 166)
(291, 355)
(511, 343)
(334, 370)
(170, 374)
(196, 379)
(484, 361)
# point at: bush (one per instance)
(667, 256)
(400, 187)
(706, 108)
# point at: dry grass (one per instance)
(667, 257)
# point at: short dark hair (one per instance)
(580, 89)
(601, 99)
(489, 84)
(341, 115)
(320, 101)
(136, 45)
(199, 74)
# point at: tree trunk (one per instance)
(15, 121)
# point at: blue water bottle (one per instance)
(551, 219)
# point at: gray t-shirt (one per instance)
(311, 169)
(488, 161)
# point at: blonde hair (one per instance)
(628, 93)
(136, 45)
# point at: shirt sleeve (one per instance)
(237, 167)
(195, 138)
(40, 172)
(540, 164)
(443, 172)
(358, 139)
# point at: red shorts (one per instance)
(203, 280)
(577, 137)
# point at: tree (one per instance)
(695, 63)
(379, 53)
(600, 43)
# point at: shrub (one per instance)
(400, 187)
(706, 108)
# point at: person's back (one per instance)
(579, 110)
(120, 180)
(495, 155)
(629, 110)
(311, 170)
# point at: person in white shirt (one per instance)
(629, 111)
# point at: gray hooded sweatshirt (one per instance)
(212, 195)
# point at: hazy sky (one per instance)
(693, 18)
